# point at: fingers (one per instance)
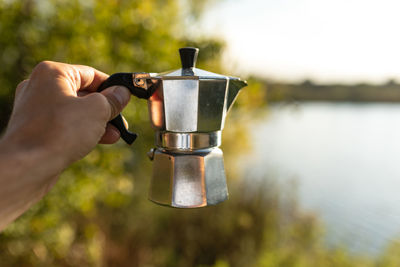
(110, 136)
(20, 86)
(117, 97)
(90, 78)
(80, 77)
(83, 81)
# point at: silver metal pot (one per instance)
(187, 109)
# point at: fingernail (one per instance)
(122, 94)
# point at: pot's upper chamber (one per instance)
(191, 99)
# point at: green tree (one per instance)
(98, 213)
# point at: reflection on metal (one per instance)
(139, 79)
(190, 180)
(188, 105)
(187, 109)
(156, 109)
(187, 141)
(197, 102)
(180, 105)
(151, 152)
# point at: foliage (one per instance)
(309, 91)
(121, 35)
(98, 213)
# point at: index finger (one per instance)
(90, 77)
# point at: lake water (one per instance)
(346, 160)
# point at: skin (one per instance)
(57, 119)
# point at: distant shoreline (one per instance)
(308, 91)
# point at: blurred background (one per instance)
(310, 146)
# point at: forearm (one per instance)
(25, 177)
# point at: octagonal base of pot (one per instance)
(188, 180)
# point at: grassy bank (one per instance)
(309, 91)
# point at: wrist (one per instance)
(25, 178)
(20, 159)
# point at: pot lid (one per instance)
(188, 70)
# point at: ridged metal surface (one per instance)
(187, 141)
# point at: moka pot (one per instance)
(187, 109)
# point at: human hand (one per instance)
(57, 111)
(58, 118)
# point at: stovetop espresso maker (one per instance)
(187, 109)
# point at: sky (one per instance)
(345, 41)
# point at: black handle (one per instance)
(188, 57)
(138, 85)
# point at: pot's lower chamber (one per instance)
(188, 179)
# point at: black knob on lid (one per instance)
(188, 57)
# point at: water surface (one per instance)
(346, 161)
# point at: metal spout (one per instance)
(233, 90)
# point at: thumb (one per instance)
(118, 97)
